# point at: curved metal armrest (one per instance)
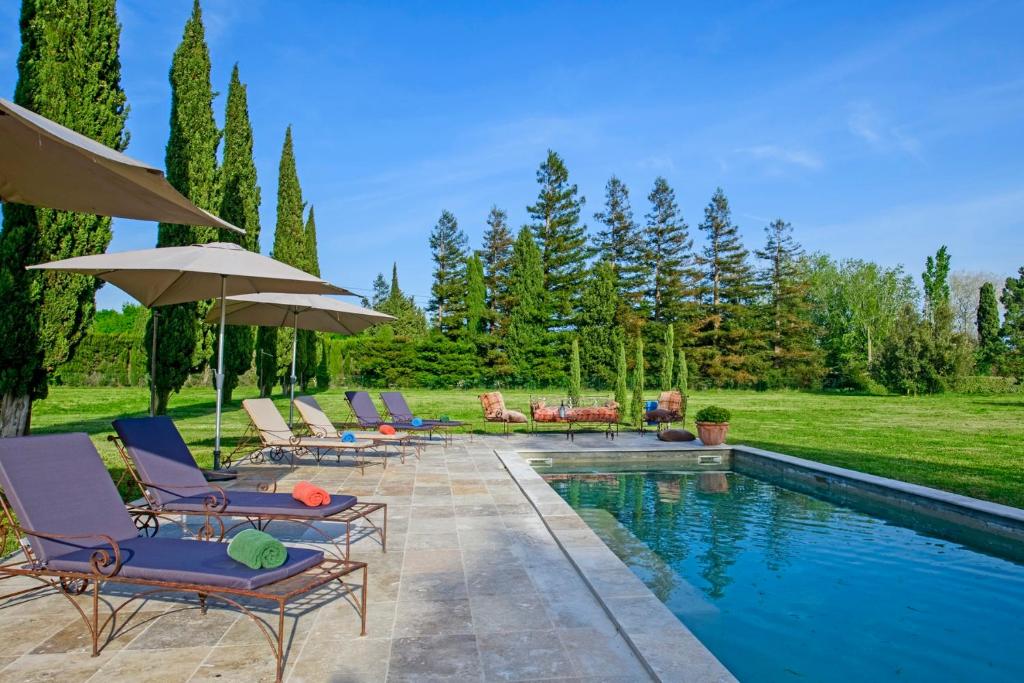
(321, 432)
(215, 502)
(266, 486)
(100, 558)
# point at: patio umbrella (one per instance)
(173, 275)
(298, 311)
(45, 164)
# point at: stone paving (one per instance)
(473, 587)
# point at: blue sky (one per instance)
(880, 130)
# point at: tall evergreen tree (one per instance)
(497, 258)
(575, 387)
(935, 279)
(290, 246)
(682, 373)
(476, 297)
(637, 410)
(668, 356)
(410, 321)
(728, 289)
(527, 343)
(786, 284)
(69, 71)
(183, 345)
(619, 244)
(447, 293)
(381, 291)
(239, 205)
(991, 347)
(1012, 299)
(672, 275)
(562, 240)
(599, 331)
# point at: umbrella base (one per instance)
(220, 475)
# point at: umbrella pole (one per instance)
(219, 378)
(152, 367)
(295, 344)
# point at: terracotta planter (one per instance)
(712, 433)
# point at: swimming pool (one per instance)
(785, 586)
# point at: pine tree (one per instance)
(786, 284)
(599, 332)
(239, 205)
(619, 244)
(562, 240)
(183, 344)
(726, 335)
(447, 293)
(668, 355)
(682, 373)
(497, 258)
(69, 71)
(381, 292)
(410, 321)
(1012, 299)
(621, 392)
(673, 277)
(638, 384)
(526, 339)
(990, 342)
(292, 247)
(476, 297)
(575, 388)
(309, 341)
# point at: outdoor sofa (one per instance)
(160, 463)
(604, 413)
(63, 509)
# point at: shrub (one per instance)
(985, 384)
(713, 414)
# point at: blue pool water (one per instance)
(783, 586)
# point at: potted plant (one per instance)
(712, 425)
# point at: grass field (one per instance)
(967, 444)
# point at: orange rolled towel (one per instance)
(310, 495)
(387, 429)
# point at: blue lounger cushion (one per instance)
(184, 561)
(258, 503)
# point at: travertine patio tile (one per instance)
(520, 609)
(52, 668)
(157, 666)
(435, 658)
(433, 617)
(432, 541)
(235, 664)
(424, 561)
(523, 656)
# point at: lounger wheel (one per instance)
(147, 523)
(73, 586)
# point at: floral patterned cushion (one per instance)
(542, 413)
(595, 414)
(671, 401)
(493, 404)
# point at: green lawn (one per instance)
(968, 444)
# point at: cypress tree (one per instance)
(785, 282)
(291, 247)
(638, 384)
(619, 244)
(526, 340)
(621, 392)
(682, 373)
(476, 297)
(183, 345)
(497, 258)
(728, 290)
(69, 71)
(575, 380)
(668, 353)
(411, 322)
(935, 279)
(599, 332)
(562, 240)
(668, 251)
(447, 293)
(1012, 299)
(239, 205)
(990, 342)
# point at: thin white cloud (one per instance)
(777, 158)
(867, 123)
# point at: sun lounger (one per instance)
(368, 417)
(399, 411)
(159, 461)
(60, 503)
(320, 425)
(493, 404)
(269, 436)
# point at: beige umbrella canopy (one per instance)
(300, 312)
(45, 164)
(172, 275)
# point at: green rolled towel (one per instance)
(257, 550)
